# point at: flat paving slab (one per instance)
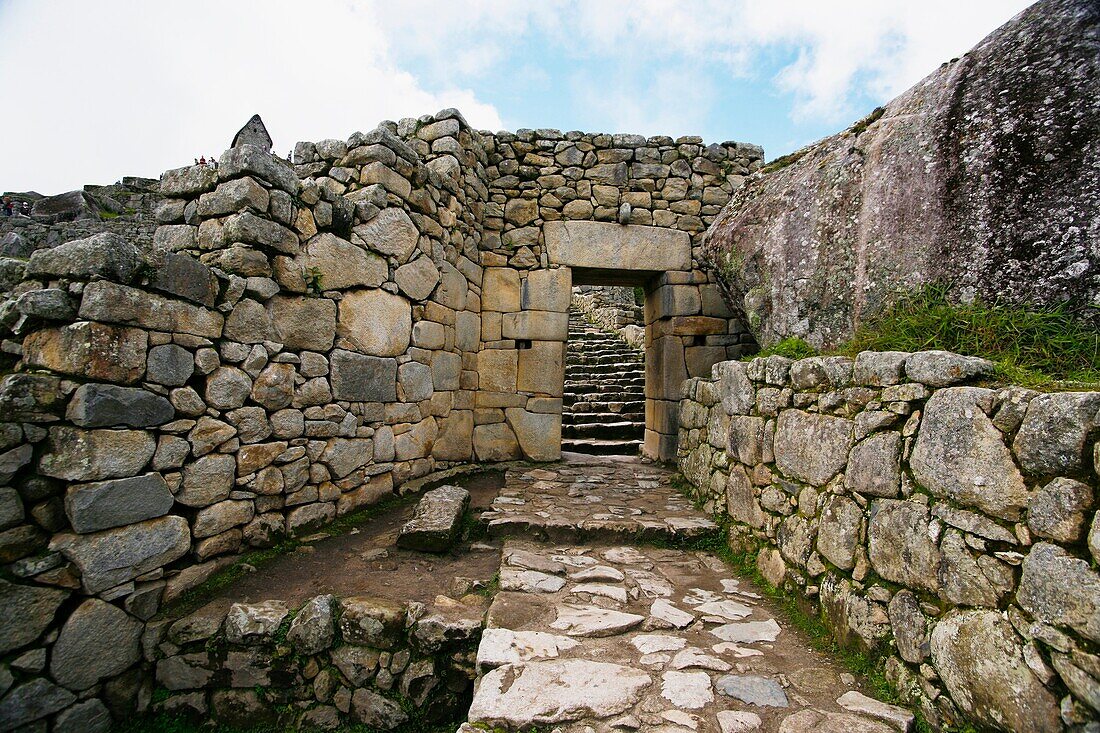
(593, 498)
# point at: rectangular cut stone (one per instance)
(542, 368)
(665, 368)
(607, 246)
(106, 301)
(497, 370)
(547, 290)
(662, 416)
(93, 350)
(359, 378)
(500, 290)
(436, 523)
(535, 325)
(672, 300)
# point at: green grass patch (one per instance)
(867, 121)
(791, 347)
(1033, 347)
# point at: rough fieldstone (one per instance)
(189, 180)
(227, 388)
(371, 621)
(28, 611)
(33, 701)
(435, 525)
(106, 504)
(360, 378)
(304, 323)
(962, 581)
(495, 442)
(98, 640)
(312, 630)
(90, 716)
(207, 480)
(90, 455)
(415, 380)
(108, 405)
(753, 690)
(106, 301)
(105, 255)
(910, 627)
(879, 368)
(170, 365)
(417, 441)
(838, 531)
(356, 663)
(1051, 440)
(961, 456)
(114, 556)
(391, 232)
(220, 517)
(1060, 589)
(1094, 538)
(274, 387)
(370, 708)
(980, 659)
(418, 278)
(254, 623)
(1058, 511)
(186, 277)
(50, 304)
(944, 368)
(208, 434)
(874, 465)
(900, 546)
(375, 322)
(550, 692)
(233, 196)
(338, 263)
(811, 447)
(254, 159)
(344, 455)
(93, 350)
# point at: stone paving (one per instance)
(590, 637)
(588, 498)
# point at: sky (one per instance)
(99, 89)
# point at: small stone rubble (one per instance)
(594, 498)
(653, 655)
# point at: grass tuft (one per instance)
(791, 347)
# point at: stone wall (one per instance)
(610, 307)
(300, 341)
(951, 528)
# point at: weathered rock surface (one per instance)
(98, 640)
(977, 177)
(28, 611)
(114, 556)
(435, 526)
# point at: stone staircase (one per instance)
(604, 403)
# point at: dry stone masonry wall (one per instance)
(298, 342)
(951, 527)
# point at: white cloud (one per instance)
(119, 87)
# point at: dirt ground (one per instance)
(366, 561)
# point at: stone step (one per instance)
(611, 385)
(575, 418)
(602, 447)
(569, 398)
(634, 406)
(623, 429)
(605, 370)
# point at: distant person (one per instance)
(202, 160)
(7, 208)
(26, 208)
(196, 161)
(213, 162)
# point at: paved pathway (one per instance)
(590, 637)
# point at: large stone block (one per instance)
(838, 533)
(539, 434)
(418, 278)
(495, 442)
(960, 455)
(99, 640)
(738, 395)
(207, 480)
(112, 557)
(90, 455)
(670, 301)
(105, 255)
(359, 378)
(981, 660)
(307, 324)
(436, 524)
(416, 442)
(333, 264)
(500, 290)
(900, 544)
(92, 350)
(28, 611)
(541, 368)
(172, 365)
(455, 439)
(107, 405)
(394, 182)
(375, 322)
(256, 161)
(107, 504)
(811, 447)
(234, 196)
(547, 290)
(106, 301)
(1051, 439)
(603, 245)
(535, 325)
(874, 465)
(665, 368)
(188, 181)
(497, 370)
(1060, 589)
(391, 233)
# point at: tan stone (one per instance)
(539, 434)
(535, 325)
(665, 368)
(391, 232)
(393, 182)
(93, 350)
(542, 368)
(521, 212)
(500, 290)
(495, 442)
(107, 301)
(497, 370)
(604, 245)
(304, 323)
(375, 322)
(338, 264)
(455, 439)
(547, 290)
(672, 300)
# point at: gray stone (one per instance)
(504, 646)
(207, 480)
(105, 255)
(818, 721)
(108, 405)
(1081, 683)
(360, 378)
(687, 690)
(910, 627)
(32, 701)
(747, 439)
(812, 447)
(10, 463)
(371, 621)
(189, 180)
(249, 323)
(335, 264)
(962, 581)
(208, 434)
(898, 717)
(838, 533)
(391, 233)
(748, 632)
(312, 630)
(550, 692)
(370, 708)
(28, 611)
(980, 660)
(1058, 510)
(50, 304)
(254, 623)
(418, 278)
(115, 556)
(593, 621)
(184, 276)
(90, 455)
(106, 301)
(879, 368)
(254, 159)
(615, 246)
(795, 538)
(170, 365)
(943, 368)
(1060, 589)
(900, 545)
(356, 663)
(93, 350)
(530, 581)
(436, 523)
(106, 504)
(98, 641)
(253, 133)
(11, 505)
(1094, 538)
(90, 716)
(960, 455)
(874, 465)
(274, 387)
(415, 380)
(1051, 440)
(227, 388)
(753, 690)
(375, 322)
(221, 517)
